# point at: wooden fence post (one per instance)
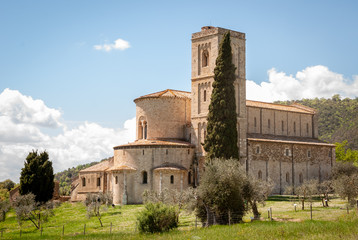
(311, 210)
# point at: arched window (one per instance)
(287, 177)
(83, 182)
(260, 174)
(309, 153)
(205, 58)
(287, 152)
(144, 177)
(172, 179)
(204, 95)
(300, 178)
(257, 149)
(116, 178)
(145, 130)
(189, 177)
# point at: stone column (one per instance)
(160, 183)
(124, 200)
(181, 181)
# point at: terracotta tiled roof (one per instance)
(289, 108)
(120, 168)
(99, 167)
(167, 93)
(285, 139)
(155, 142)
(169, 166)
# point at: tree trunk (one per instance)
(303, 204)
(255, 210)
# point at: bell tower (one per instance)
(204, 51)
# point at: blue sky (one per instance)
(48, 54)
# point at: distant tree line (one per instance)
(337, 118)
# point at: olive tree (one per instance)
(97, 203)
(26, 208)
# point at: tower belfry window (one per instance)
(205, 58)
(204, 95)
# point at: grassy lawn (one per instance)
(332, 222)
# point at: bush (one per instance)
(157, 217)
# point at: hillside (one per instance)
(337, 118)
(65, 177)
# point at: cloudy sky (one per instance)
(69, 70)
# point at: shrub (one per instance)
(157, 217)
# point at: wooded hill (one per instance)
(337, 118)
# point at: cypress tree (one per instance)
(221, 138)
(37, 176)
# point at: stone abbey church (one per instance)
(276, 142)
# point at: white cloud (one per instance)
(21, 121)
(316, 81)
(118, 44)
(25, 110)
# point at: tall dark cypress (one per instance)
(37, 176)
(221, 138)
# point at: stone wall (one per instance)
(146, 159)
(284, 162)
(282, 123)
(166, 117)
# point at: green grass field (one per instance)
(327, 223)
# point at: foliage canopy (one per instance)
(221, 138)
(37, 176)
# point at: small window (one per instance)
(166, 151)
(204, 95)
(283, 126)
(260, 174)
(294, 127)
(258, 149)
(189, 177)
(144, 177)
(188, 151)
(269, 123)
(98, 182)
(116, 178)
(287, 177)
(287, 152)
(301, 178)
(205, 57)
(172, 179)
(143, 152)
(83, 182)
(309, 153)
(254, 122)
